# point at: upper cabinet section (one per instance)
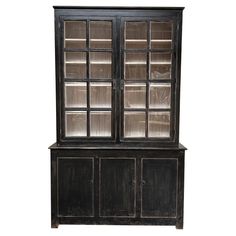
(118, 75)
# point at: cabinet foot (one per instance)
(179, 225)
(54, 225)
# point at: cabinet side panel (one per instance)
(117, 187)
(180, 203)
(75, 187)
(159, 183)
(54, 219)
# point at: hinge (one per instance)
(114, 84)
(122, 84)
(178, 26)
(174, 81)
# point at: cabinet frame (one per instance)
(117, 147)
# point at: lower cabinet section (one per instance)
(117, 187)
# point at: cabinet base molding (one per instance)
(120, 186)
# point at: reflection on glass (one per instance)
(75, 65)
(159, 95)
(135, 66)
(100, 34)
(161, 35)
(135, 95)
(75, 34)
(159, 124)
(100, 95)
(100, 65)
(76, 123)
(134, 124)
(160, 64)
(100, 123)
(135, 35)
(75, 95)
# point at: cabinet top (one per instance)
(118, 7)
(116, 147)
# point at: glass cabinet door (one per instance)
(88, 78)
(147, 59)
(91, 65)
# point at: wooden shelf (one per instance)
(75, 62)
(145, 40)
(93, 40)
(144, 63)
(158, 122)
(136, 40)
(100, 62)
(92, 62)
(161, 40)
(101, 40)
(76, 84)
(135, 85)
(136, 63)
(160, 85)
(100, 84)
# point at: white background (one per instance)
(207, 127)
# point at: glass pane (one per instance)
(159, 95)
(75, 95)
(135, 66)
(134, 124)
(100, 65)
(161, 35)
(135, 95)
(75, 65)
(100, 34)
(76, 123)
(135, 35)
(100, 95)
(159, 124)
(100, 123)
(160, 64)
(75, 34)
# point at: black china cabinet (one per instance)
(117, 159)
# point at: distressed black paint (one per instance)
(116, 180)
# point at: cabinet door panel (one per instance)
(146, 79)
(159, 182)
(75, 185)
(88, 102)
(117, 187)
